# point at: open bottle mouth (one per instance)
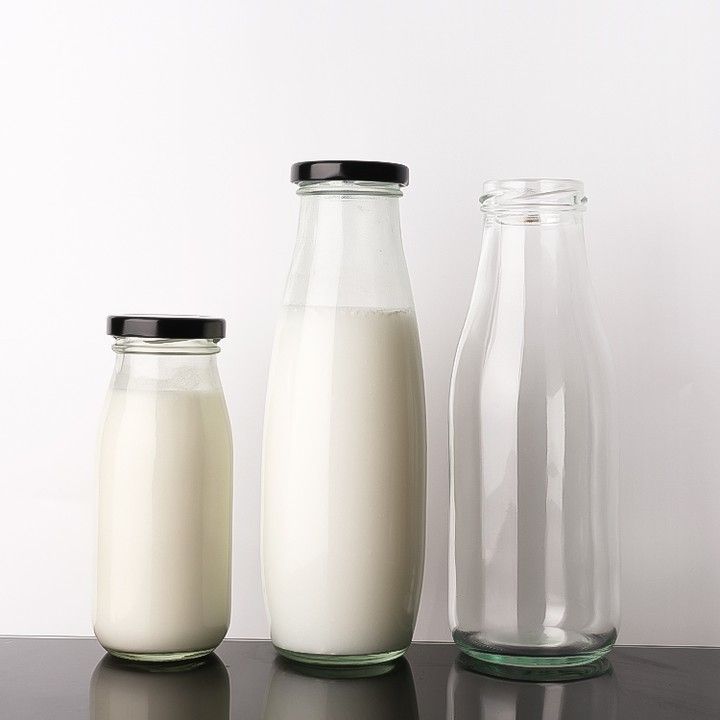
(532, 194)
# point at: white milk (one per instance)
(344, 481)
(164, 522)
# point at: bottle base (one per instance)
(536, 661)
(549, 647)
(160, 657)
(535, 673)
(340, 660)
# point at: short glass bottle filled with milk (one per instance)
(343, 476)
(165, 491)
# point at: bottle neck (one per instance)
(166, 365)
(165, 346)
(542, 255)
(347, 188)
(534, 275)
(349, 247)
(343, 214)
(533, 236)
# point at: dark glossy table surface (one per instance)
(60, 679)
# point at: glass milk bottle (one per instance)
(533, 540)
(164, 525)
(343, 509)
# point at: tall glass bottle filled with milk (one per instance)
(343, 508)
(533, 544)
(165, 500)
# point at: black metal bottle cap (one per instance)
(182, 327)
(362, 170)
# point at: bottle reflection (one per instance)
(303, 692)
(120, 690)
(528, 695)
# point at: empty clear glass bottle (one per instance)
(533, 540)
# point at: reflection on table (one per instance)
(474, 694)
(60, 678)
(120, 690)
(305, 692)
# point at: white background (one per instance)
(144, 158)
